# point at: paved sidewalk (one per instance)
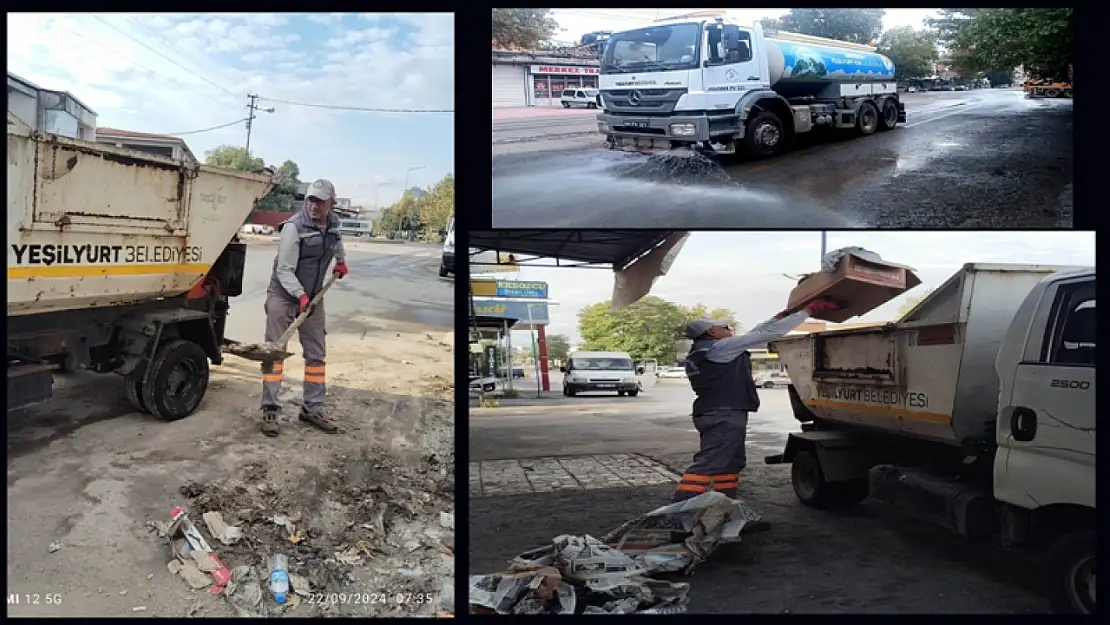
(555, 473)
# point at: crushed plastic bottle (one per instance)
(279, 577)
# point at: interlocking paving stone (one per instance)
(554, 473)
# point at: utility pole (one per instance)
(252, 106)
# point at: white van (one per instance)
(586, 97)
(355, 227)
(600, 371)
(447, 259)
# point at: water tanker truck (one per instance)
(700, 83)
(123, 262)
(975, 411)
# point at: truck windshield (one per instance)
(656, 48)
(601, 364)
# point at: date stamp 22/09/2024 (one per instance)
(370, 598)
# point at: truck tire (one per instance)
(764, 136)
(888, 117)
(176, 380)
(867, 119)
(570, 391)
(133, 388)
(1068, 93)
(633, 393)
(812, 490)
(442, 270)
(1051, 93)
(1070, 571)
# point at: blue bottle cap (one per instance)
(279, 597)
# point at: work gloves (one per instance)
(821, 305)
(340, 270)
(304, 304)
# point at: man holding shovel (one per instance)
(309, 242)
(720, 372)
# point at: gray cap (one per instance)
(322, 189)
(698, 327)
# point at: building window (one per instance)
(151, 149)
(558, 83)
(542, 89)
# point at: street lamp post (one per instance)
(407, 171)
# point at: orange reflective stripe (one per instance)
(319, 370)
(730, 477)
(279, 367)
(694, 488)
(315, 379)
(272, 377)
(725, 485)
(694, 477)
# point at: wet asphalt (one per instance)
(988, 158)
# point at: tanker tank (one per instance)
(804, 68)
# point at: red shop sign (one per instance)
(564, 70)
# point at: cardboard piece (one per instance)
(194, 557)
(858, 285)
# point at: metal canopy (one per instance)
(611, 247)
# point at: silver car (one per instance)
(580, 96)
(772, 379)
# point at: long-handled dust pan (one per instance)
(276, 351)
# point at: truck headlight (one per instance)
(683, 130)
(449, 248)
(603, 127)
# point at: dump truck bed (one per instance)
(930, 375)
(91, 225)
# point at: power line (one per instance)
(356, 108)
(132, 38)
(193, 132)
(201, 63)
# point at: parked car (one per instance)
(586, 97)
(487, 385)
(671, 373)
(961, 88)
(772, 379)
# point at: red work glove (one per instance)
(340, 270)
(821, 305)
(304, 303)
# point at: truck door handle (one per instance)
(1023, 424)
(753, 77)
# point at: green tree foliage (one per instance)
(914, 52)
(428, 211)
(287, 176)
(911, 301)
(522, 28)
(558, 346)
(646, 329)
(997, 40)
(853, 25)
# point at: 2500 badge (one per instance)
(1081, 385)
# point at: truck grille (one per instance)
(651, 101)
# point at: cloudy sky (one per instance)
(743, 271)
(577, 22)
(171, 73)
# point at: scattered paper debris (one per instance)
(221, 531)
(447, 520)
(139, 608)
(244, 592)
(299, 585)
(54, 546)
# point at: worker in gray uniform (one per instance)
(719, 368)
(309, 242)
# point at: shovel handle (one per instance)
(284, 339)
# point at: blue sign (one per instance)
(536, 312)
(528, 290)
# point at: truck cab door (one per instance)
(1046, 430)
(731, 63)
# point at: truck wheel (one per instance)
(1067, 93)
(442, 270)
(176, 380)
(620, 393)
(133, 388)
(1051, 93)
(867, 119)
(633, 393)
(1070, 569)
(571, 392)
(889, 118)
(812, 490)
(764, 135)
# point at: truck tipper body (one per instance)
(974, 411)
(705, 84)
(120, 261)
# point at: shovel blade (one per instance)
(261, 352)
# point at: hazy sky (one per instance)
(743, 271)
(195, 70)
(577, 22)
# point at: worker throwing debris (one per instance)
(720, 372)
(309, 242)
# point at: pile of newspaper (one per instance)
(613, 575)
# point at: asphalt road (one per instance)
(987, 158)
(584, 465)
(87, 472)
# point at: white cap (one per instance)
(322, 189)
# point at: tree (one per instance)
(911, 301)
(646, 329)
(437, 206)
(557, 347)
(986, 40)
(914, 52)
(233, 157)
(522, 28)
(853, 25)
(281, 198)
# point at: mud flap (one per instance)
(841, 459)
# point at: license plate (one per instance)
(607, 386)
(636, 123)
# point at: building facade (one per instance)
(46, 110)
(528, 79)
(168, 146)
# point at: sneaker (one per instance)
(270, 423)
(318, 419)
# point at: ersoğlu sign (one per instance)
(517, 311)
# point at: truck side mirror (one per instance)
(639, 371)
(562, 369)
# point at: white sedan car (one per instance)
(672, 373)
(773, 379)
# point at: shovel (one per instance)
(275, 351)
